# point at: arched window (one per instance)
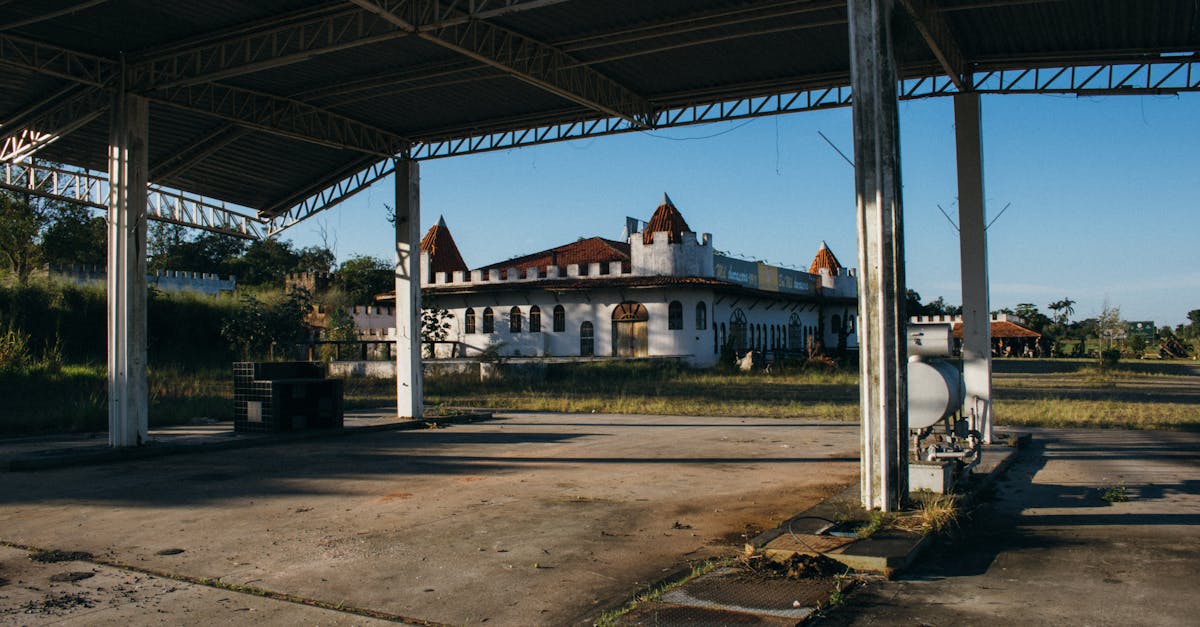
(560, 319)
(836, 322)
(701, 316)
(514, 320)
(723, 337)
(739, 335)
(469, 321)
(716, 341)
(489, 321)
(587, 340)
(535, 319)
(675, 315)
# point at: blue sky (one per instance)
(1104, 193)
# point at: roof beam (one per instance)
(196, 151)
(292, 39)
(935, 29)
(50, 60)
(271, 47)
(282, 116)
(62, 113)
(51, 15)
(523, 58)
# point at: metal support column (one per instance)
(882, 332)
(127, 171)
(408, 289)
(972, 238)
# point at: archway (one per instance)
(630, 324)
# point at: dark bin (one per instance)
(271, 397)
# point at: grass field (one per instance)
(1055, 393)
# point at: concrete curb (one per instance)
(62, 458)
(888, 551)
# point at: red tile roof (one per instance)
(666, 219)
(582, 252)
(443, 252)
(1004, 329)
(825, 259)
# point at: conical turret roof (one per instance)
(666, 219)
(443, 252)
(825, 259)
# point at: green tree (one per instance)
(74, 236)
(315, 259)
(21, 222)
(260, 328)
(361, 278)
(265, 263)
(1063, 310)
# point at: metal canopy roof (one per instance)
(282, 105)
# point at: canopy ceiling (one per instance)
(267, 103)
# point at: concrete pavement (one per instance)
(1050, 551)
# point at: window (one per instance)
(837, 324)
(489, 321)
(675, 315)
(587, 340)
(469, 321)
(514, 320)
(560, 319)
(701, 316)
(535, 319)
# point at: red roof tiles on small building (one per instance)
(1002, 329)
(666, 219)
(582, 252)
(443, 252)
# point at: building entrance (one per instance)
(630, 330)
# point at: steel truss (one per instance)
(1164, 76)
(1158, 77)
(164, 205)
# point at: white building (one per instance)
(662, 292)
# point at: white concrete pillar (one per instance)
(882, 332)
(409, 399)
(972, 239)
(128, 168)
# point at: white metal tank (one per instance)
(935, 390)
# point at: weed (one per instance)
(876, 522)
(610, 618)
(935, 512)
(1114, 493)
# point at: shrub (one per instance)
(1109, 357)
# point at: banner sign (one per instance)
(761, 276)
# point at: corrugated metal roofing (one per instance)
(664, 52)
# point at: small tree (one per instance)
(256, 328)
(435, 327)
(1109, 325)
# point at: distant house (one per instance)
(659, 291)
(1010, 336)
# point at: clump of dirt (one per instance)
(53, 556)
(3, 582)
(798, 566)
(71, 576)
(741, 536)
(58, 604)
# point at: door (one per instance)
(631, 330)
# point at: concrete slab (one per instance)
(530, 519)
(34, 593)
(1048, 550)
